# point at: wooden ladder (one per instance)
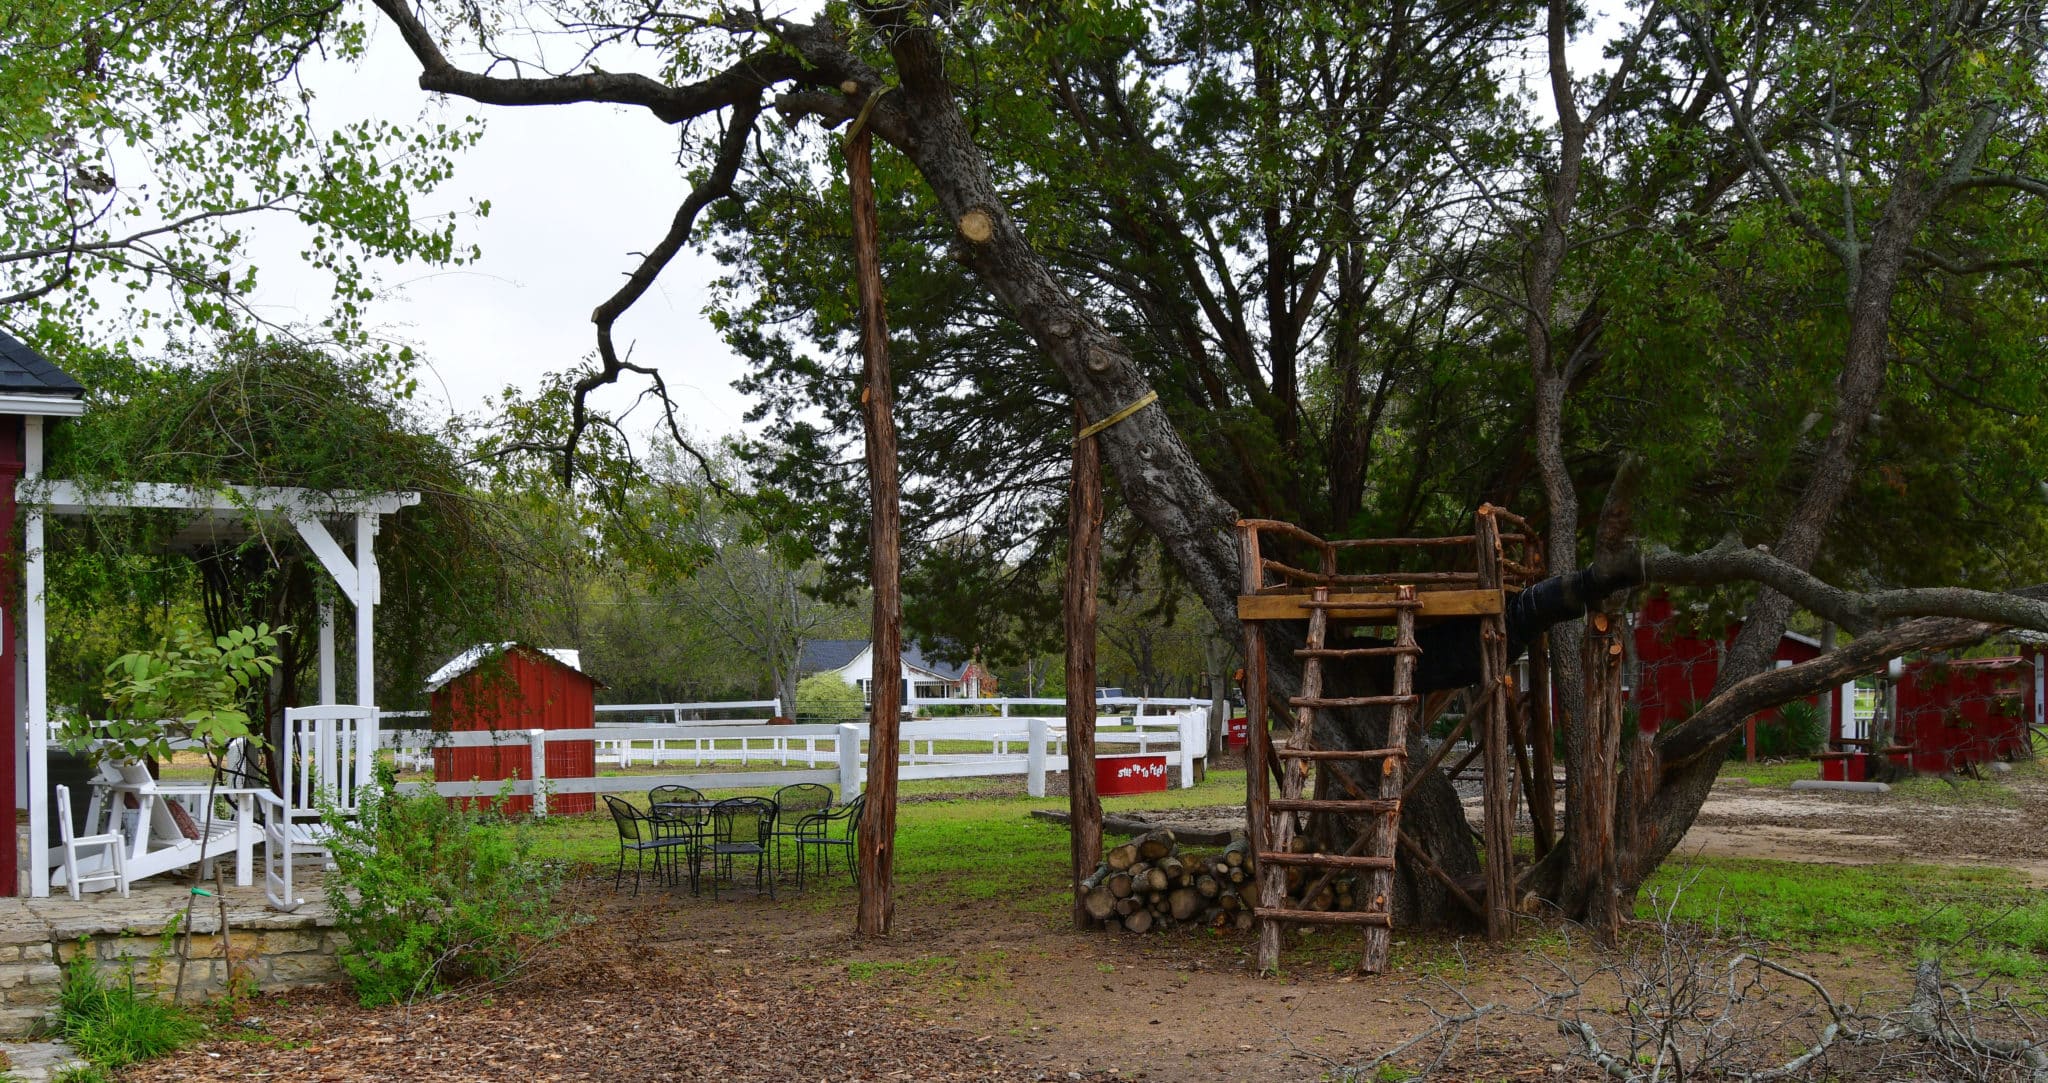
(1374, 849)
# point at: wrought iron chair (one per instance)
(792, 804)
(640, 835)
(835, 828)
(742, 826)
(662, 795)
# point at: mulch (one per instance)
(615, 999)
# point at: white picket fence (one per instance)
(1014, 745)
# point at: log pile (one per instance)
(1149, 883)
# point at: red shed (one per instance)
(1679, 666)
(511, 686)
(1957, 712)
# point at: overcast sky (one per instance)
(574, 192)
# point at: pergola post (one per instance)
(35, 650)
(327, 652)
(366, 609)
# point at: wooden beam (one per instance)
(1372, 606)
(1084, 565)
(878, 819)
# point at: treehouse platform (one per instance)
(1324, 602)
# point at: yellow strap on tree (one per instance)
(1147, 399)
(861, 121)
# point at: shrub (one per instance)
(425, 897)
(114, 1026)
(1805, 727)
(823, 697)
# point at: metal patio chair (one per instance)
(792, 804)
(835, 828)
(640, 835)
(740, 827)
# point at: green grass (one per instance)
(114, 1026)
(1771, 774)
(957, 848)
(1991, 918)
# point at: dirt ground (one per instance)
(667, 987)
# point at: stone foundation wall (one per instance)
(125, 937)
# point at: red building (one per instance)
(1678, 667)
(511, 686)
(1954, 713)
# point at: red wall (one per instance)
(522, 689)
(1678, 670)
(1953, 713)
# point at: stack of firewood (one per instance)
(1148, 883)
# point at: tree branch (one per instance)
(1855, 612)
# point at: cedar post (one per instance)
(1542, 789)
(1084, 562)
(878, 818)
(1498, 772)
(1594, 844)
(1258, 757)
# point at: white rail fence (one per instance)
(1030, 746)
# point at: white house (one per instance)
(923, 678)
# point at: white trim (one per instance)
(35, 648)
(32, 405)
(323, 545)
(73, 498)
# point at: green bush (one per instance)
(1805, 727)
(823, 697)
(426, 899)
(114, 1026)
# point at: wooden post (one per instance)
(1542, 741)
(1257, 750)
(1084, 565)
(878, 818)
(1498, 783)
(1594, 828)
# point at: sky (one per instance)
(575, 192)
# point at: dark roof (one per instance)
(24, 371)
(824, 654)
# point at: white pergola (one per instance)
(216, 513)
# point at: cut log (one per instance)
(1120, 885)
(1121, 857)
(1154, 845)
(1098, 876)
(1099, 902)
(1184, 903)
(1155, 879)
(1140, 922)
(1127, 907)
(1239, 852)
(1207, 886)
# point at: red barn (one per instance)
(510, 686)
(1953, 713)
(1678, 667)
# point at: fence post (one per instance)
(538, 740)
(1034, 777)
(1194, 734)
(849, 761)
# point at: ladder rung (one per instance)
(1354, 652)
(1338, 753)
(1329, 861)
(1309, 804)
(1390, 603)
(1350, 701)
(1325, 917)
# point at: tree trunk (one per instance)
(1084, 564)
(878, 818)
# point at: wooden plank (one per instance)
(1330, 861)
(1374, 606)
(1340, 753)
(1311, 804)
(1356, 652)
(1350, 701)
(1322, 917)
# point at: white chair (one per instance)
(112, 864)
(329, 759)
